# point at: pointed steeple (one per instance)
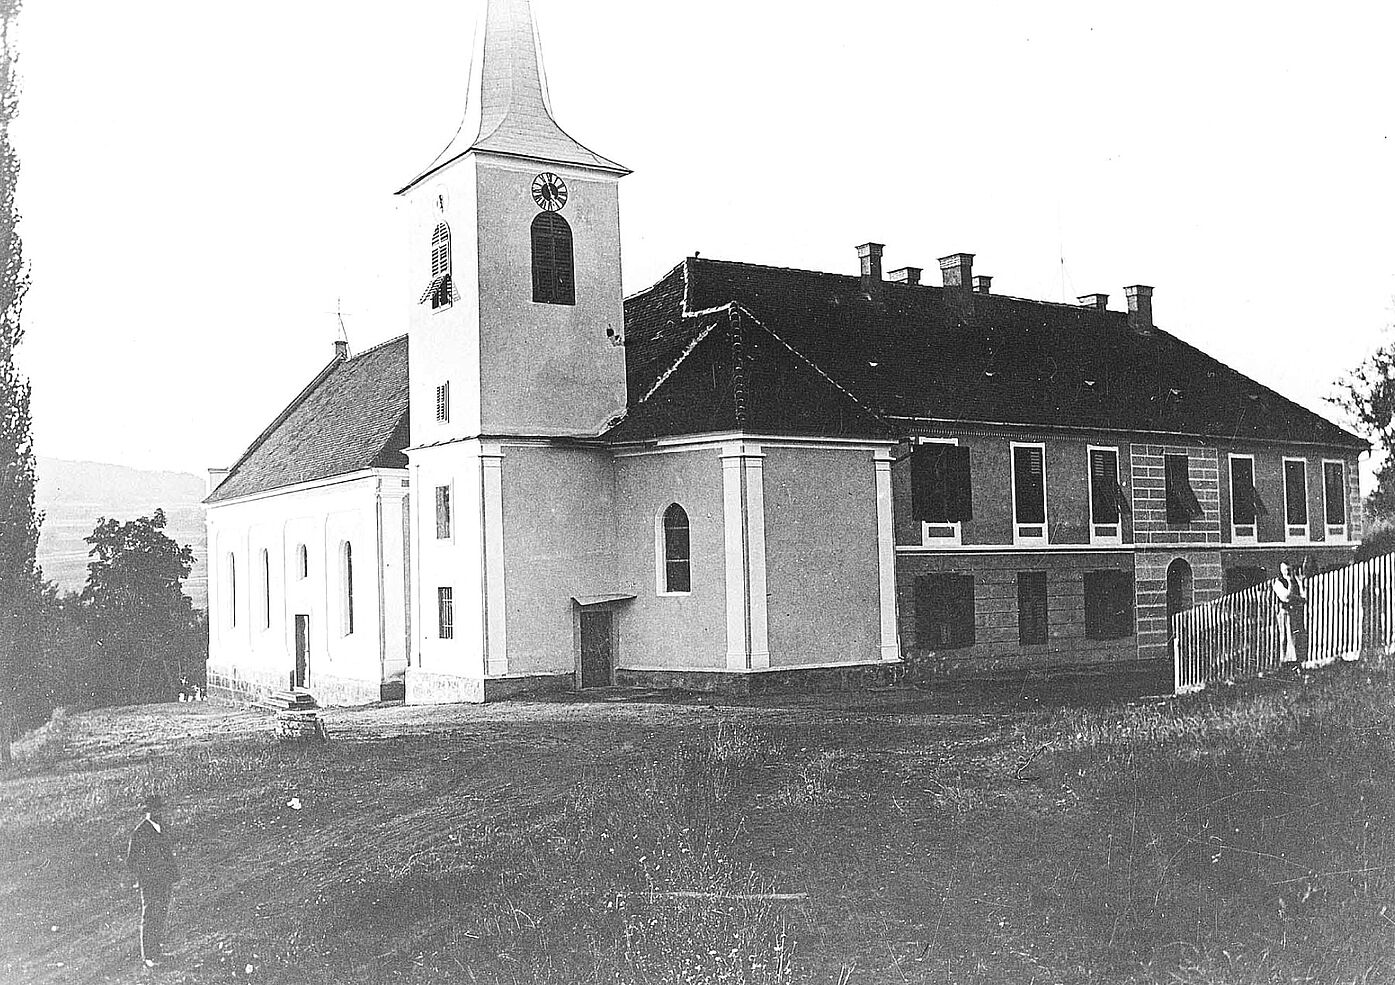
(507, 109)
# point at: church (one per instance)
(740, 478)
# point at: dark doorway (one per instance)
(596, 648)
(301, 677)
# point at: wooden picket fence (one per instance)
(1350, 612)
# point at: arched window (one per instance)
(346, 583)
(677, 575)
(440, 292)
(554, 275)
(302, 560)
(266, 588)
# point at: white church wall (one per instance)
(660, 631)
(254, 652)
(548, 368)
(821, 549)
(559, 543)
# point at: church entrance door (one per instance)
(596, 648)
(302, 652)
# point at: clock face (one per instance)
(550, 192)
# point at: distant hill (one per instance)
(73, 495)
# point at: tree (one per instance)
(144, 625)
(19, 524)
(1367, 395)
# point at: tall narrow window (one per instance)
(266, 589)
(677, 573)
(944, 611)
(1029, 493)
(1245, 505)
(941, 490)
(1295, 499)
(554, 272)
(443, 403)
(232, 590)
(1031, 607)
(1108, 503)
(1182, 504)
(302, 562)
(346, 572)
(443, 512)
(445, 613)
(440, 292)
(1334, 499)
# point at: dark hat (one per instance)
(152, 802)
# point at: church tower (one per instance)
(515, 333)
(514, 256)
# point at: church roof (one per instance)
(917, 354)
(507, 109)
(352, 416)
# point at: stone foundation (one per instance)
(250, 687)
(427, 688)
(774, 681)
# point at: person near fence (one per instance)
(149, 856)
(1293, 636)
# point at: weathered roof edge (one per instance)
(286, 412)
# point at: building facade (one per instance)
(740, 477)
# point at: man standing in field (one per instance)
(150, 858)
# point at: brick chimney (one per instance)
(957, 270)
(905, 275)
(1097, 301)
(983, 284)
(871, 256)
(215, 478)
(1140, 299)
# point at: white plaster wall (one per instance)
(321, 517)
(671, 632)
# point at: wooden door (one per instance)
(596, 646)
(302, 652)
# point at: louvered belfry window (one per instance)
(554, 266)
(440, 292)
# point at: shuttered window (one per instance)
(554, 272)
(1108, 605)
(1182, 504)
(1031, 607)
(677, 570)
(1296, 496)
(1334, 493)
(941, 488)
(443, 403)
(440, 291)
(1107, 499)
(944, 611)
(443, 518)
(1245, 504)
(1029, 483)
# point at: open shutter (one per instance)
(929, 489)
(1182, 504)
(959, 493)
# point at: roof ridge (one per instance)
(381, 345)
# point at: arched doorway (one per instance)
(1179, 587)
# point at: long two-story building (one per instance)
(742, 476)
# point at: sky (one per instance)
(205, 185)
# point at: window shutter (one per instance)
(1031, 607)
(1242, 492)
(1296, 492)
(1182, 504)
(1029, 483)
(1334, 492)
(959, 492)
(553, 260)
(1105, 494)
(929, 483)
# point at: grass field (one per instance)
(1235, 837)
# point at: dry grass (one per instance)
(1240, 836)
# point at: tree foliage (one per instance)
(19, 524)
(135, 608)
(1367, 395)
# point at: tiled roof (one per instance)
(352, 416)
(917, 353)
